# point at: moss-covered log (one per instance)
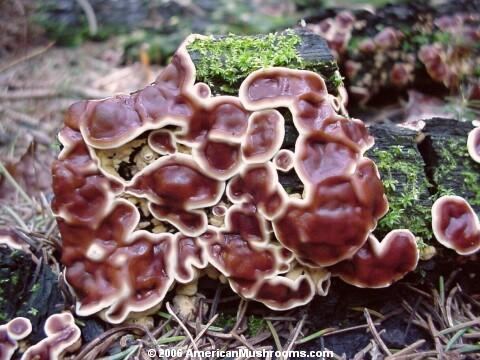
(224, 61)
(402, 169)
(450, 167)
(419, 167)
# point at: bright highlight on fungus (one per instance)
(160, 187)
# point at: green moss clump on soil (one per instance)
(406, 188)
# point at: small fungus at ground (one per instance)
(388, 38)
(63, 335)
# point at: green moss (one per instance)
(421, 39)
(35, 288)
(406, 189)
(225, 321)
(421, 245)
(336, 79)
(456, 173)
(226, 61)
(255, 325)
(442, 37)
(245, 55)
(330, 73)
(33, 311)
(415, 38)
(15, 279)
(477, 71)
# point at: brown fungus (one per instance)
(336, 31)
(455, 224)
(175, 187)
(163, 142)
(210, 189)
(388, 38)
(264, 137)
(63, 335)
(401, 74)
(283, 160)
(329, 161)
(433, 58)
(253, 266)
(110, 266)
(378, 264)
(15, 330)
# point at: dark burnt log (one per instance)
(28, 289)
(34, 291)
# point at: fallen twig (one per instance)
(374, 333)
(407, 350)
(177, 319)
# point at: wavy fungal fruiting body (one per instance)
(207, 179)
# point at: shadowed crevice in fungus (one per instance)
(209, 182)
